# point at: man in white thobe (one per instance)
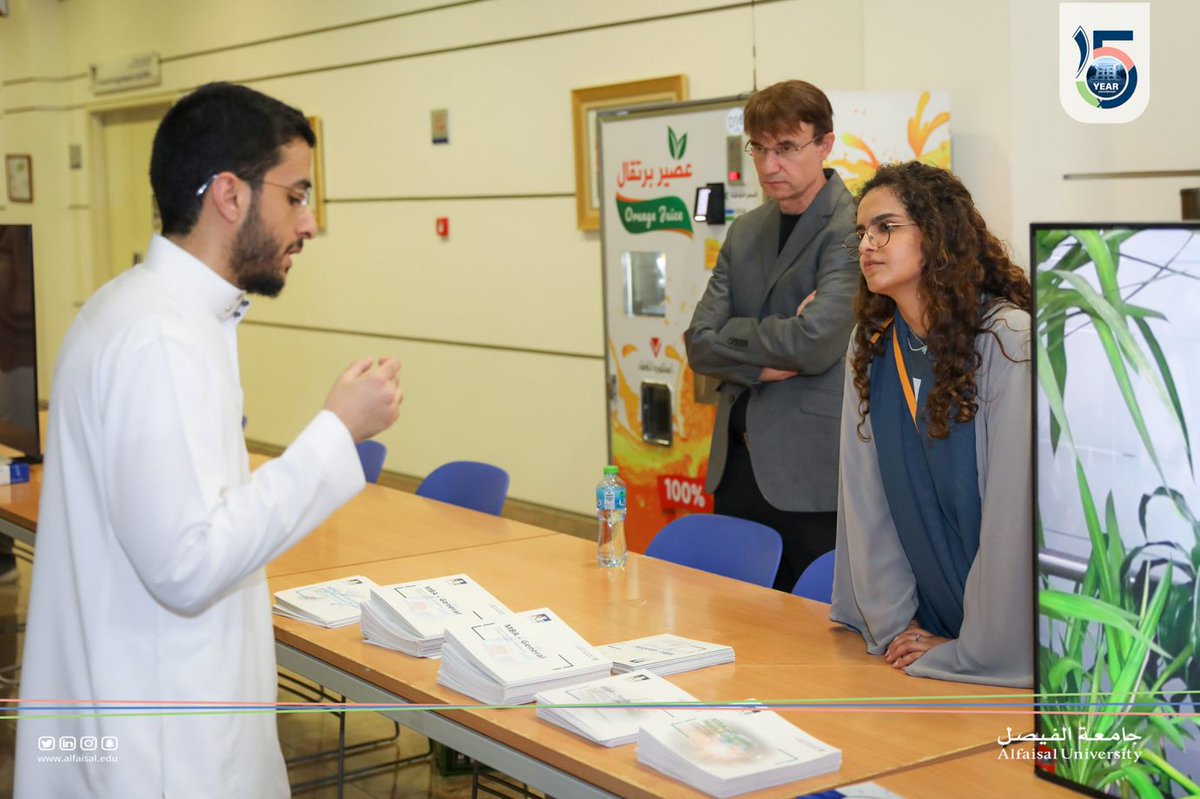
(148, 582)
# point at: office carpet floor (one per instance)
(302, 734)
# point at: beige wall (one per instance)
(949, 46)
(500, 327)
(1165, 137)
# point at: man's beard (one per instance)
(256, 257)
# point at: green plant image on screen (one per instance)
(1118, 395)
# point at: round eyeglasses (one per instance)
(879, 233)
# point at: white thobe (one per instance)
(148, 581)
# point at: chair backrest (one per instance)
(468, 484)
(724, 545)
(372, 454)
(817, 580)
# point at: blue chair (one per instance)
(817, 580)
(468, 484)
(371, 453)
(724, 545)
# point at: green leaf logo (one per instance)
(677, 145)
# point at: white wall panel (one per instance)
(913, 48)
(819, 42)
(540, 417)
(510, 106)
(1051, 144)
(512, 273)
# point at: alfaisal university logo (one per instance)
(1104, 51)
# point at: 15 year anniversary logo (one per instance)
(1104, 61)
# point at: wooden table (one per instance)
(382, 523)
(19, 506)
(786, 650)
(377, 524)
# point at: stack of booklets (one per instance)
(612, 725)
(508, 659)
(666, 654)
(730, 752)
(330, 604)
(411, 617)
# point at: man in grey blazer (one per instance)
(773, 326)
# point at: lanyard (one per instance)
(902, 372)
(909, 397)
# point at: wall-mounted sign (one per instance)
(130, 72)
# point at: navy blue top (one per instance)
(932, 485)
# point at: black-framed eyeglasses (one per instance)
(786, 151)
(301, 196)
(879, 234)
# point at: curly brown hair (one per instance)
(966, 272)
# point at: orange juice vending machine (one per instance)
(671, 179)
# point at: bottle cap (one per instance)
(610, 469)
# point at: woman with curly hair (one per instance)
(934, 540)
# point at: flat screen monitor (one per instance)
(18, 345)
(1117, 434)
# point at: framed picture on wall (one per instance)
(585, 105)
(19, 171)
(318, 174)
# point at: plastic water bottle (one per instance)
(610, 512)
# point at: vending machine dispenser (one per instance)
(672, 178)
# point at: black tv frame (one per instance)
(27, 456)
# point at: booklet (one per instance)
(729, 752)
(411, 617)
(666, 654)
(612, 725)
(508, 659)
(330, 604)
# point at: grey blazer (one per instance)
(874, 591)
(747, 320)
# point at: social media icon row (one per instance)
(68, 743)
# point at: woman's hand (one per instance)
(908, 646)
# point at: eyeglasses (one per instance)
(785, 151)
(879, 233)
(298, 196)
